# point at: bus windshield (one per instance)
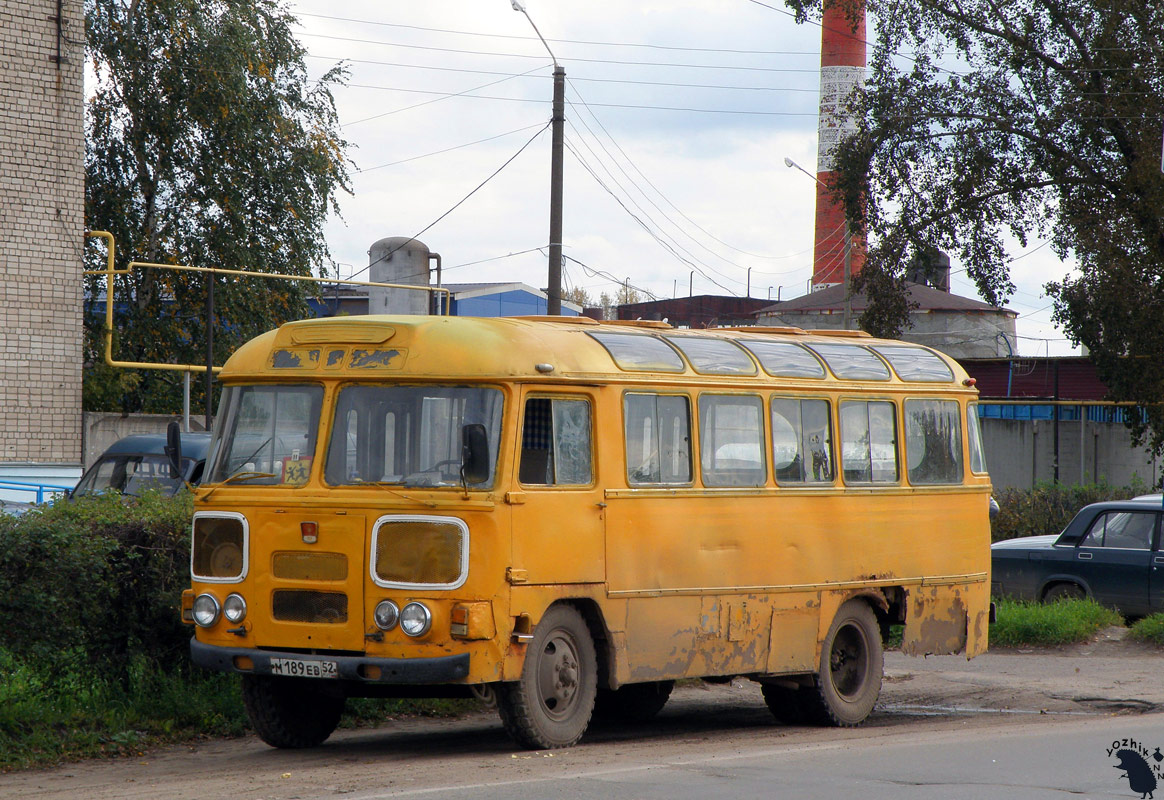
(265, 435)
(408, 435)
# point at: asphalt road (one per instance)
(1006, 725)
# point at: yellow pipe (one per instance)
(110, 271)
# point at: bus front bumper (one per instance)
(445, 669)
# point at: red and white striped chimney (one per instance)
(842, 67)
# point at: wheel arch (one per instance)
(604, 649)
(1053, 580)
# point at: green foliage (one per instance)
(97, 580)
(1047, 508)
(1008, 121)
(1149, 629)
(1065, 622)
(206, 146)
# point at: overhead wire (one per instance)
(458, 203)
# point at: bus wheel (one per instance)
(851, 662)
(550, 705)
(290, 712)
(635, 702)
(787, 704)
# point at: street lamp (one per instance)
(848, 315)
(558, 119)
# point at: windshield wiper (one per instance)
(242, 475)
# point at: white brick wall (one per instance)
(42, 176)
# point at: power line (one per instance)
(458, 203)
(636, 218)
(450, 149)
(637, 107)
(444, 96)
(381, 43)
(621, 81)
(568, 41)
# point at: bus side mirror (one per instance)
(174, 449)
(474, 453)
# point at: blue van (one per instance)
(139, 462)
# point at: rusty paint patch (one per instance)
(334, 358)
(936, 622)
(371, 359)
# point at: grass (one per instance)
(56, 713)
(1022, 623)
(1149, 629)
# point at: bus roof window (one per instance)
(852, 362)
(915, 363)
(785, 359)
(714, 356)
(638, 353)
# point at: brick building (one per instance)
(42, 176)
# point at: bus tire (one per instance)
(290, 712)
(635, 702)
(851, 663)
(786, 704)
(550, 705)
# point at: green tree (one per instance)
(1040, 118)
(206, 145)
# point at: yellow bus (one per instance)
(567, 516)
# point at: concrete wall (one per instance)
(958, 334)
(1021, 453)
(42, 218)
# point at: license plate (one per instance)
(299, 668)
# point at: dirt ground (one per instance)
(1068, 685)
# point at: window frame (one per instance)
(692, 453)
(764, 440)
(830, 402)
(552, 396)
(841, 401)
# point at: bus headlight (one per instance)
(386, 615)
(206, 610)
(234, 608)
(415, 619)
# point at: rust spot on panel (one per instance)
(371, 359)
(936, 622)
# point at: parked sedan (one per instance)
(1110, 552)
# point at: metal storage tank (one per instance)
(398, 259)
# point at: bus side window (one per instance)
(802, 442)
(731, 440)
(868, 441)
(658, 439)
(556, 443)
(933, 441)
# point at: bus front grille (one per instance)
(294, 605)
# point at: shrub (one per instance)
(1048, 507)
(1149, 629)
(97, 579)
(1065, 622)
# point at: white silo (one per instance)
(398, 259)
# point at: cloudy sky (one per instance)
(680, 114)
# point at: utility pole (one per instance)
(554, 302)
(558, 121)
